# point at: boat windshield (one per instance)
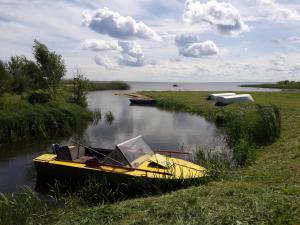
(136, 151)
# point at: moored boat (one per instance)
(225, 100)
(215, 96)
(142, 101)
(130, 159)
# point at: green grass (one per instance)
(266, 192)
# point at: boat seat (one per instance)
(83, 159)
(63, 153)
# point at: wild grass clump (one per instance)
(109, 117)
(258, 125)
(216, 164)
(97, 116)
(21, 207)
(97, 190)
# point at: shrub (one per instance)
(38, 97)
(243, 153)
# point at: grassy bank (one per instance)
(278, 85)
(20, 119)
(101, 85)
(266, 192)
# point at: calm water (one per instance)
(161, 129)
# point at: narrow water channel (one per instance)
(161, 130)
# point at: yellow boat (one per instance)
(130, 159)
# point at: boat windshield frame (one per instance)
(136, 151)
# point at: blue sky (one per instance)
(152, 40)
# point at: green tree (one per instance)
(80, 86)
(20, 81)
(5, 78)
(51, 66)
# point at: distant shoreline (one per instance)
(296, 85)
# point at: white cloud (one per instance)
(105, 62)
(105, 21)
(185, 39)
(200, 49)
(99, 45)
(224, 16)
(275, 11)
(192, 46)
(132, 49)
(117, 53)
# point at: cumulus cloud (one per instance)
(200, 49)
(192, 46)
(117, 53)
(105, 21)
(105, 62)
(275, 11)
(132, 49)
(132, 54)
(221, 15)
(99, 45)
(185, 39)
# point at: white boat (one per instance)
(225, 100)
(214, 96)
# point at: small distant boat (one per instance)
(142, 101)
(129, 159)
(214, 96)
(175, 85)
(225, 100)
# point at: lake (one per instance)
(161, 130)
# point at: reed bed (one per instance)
(20, 119)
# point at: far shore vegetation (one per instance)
(35, 100)
(285, 84)
(263, 188)
(101, 85)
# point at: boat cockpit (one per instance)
(131, 153)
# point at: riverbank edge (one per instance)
(21, 120)
(266, 192)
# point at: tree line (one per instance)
(41, 76)
(20, 74)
